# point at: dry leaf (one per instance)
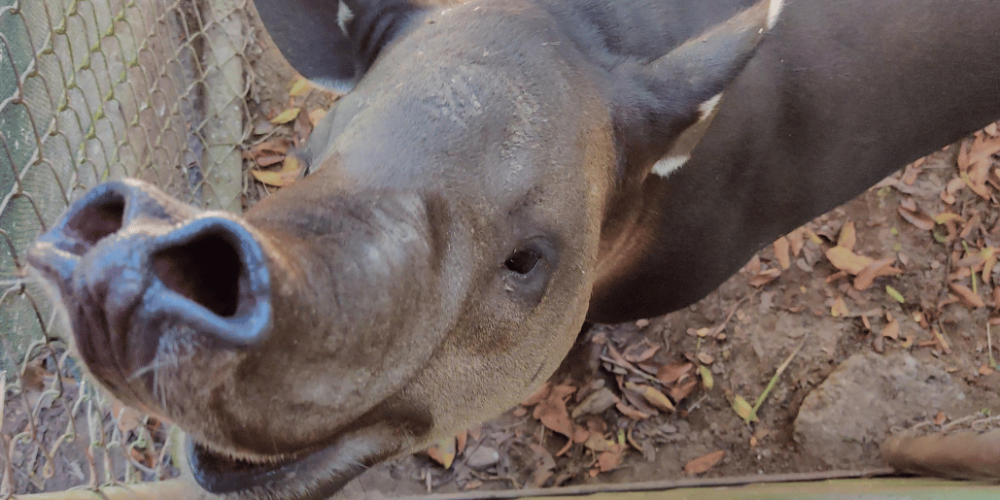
(839, 308)
(268, 160)
(286, 116)
(652, 396)
(985, 371)
(881, 267)
(941, 341)
(538, 395)
(940, 418)
(781, 247)
(848, 236)
(673, 372)
(611, 459)
(637, 353)
(316, 116)
(279, 179)
(704, 463)
(764, 277)
(127, 418)
(707, 381)
(598, 443)
(300, 88)
(967, 296)
(596, 402)
(847, 261)
(630, 412)
(945, 217)
(891, 330)
(552, 413)
(744, 409)
(443, 452)
(683, 390)
(271, 147)
(795, 241)
(918, 218)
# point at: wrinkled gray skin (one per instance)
(484, 188)
(432, 272)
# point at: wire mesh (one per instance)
(94, 90)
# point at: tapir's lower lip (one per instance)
(325, 470)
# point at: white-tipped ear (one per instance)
(774, 12)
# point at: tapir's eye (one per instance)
(522, 261)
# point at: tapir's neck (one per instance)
(610, 32)
(820, 114)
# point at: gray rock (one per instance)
(843, 420)
(482, 457)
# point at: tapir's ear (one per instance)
(663, 107)
(334, 42)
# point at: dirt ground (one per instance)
(907, 348)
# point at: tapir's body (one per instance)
(500, 172)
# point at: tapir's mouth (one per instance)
(316, 473)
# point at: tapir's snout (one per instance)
(131, 263)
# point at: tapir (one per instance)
(498, 174)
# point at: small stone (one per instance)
(642, 323)
(482, 457)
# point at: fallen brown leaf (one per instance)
(637, 353)
(278, 179)
(764, 277)
(795, 242)
(704, 463)
(781, 248)
(881, 267)
(316, 115)
(611, 459)
(596, 402)
(127, 418)
(671, 373)
(839, 308)
(918, 218)
(443, 452)
(286, 116)
(848, 261)
(967, 296)
(630, 412)
(848, 236)
(538, 395)
(683, 390)
(654, 397)
(891, 330)
(940, 418)
(552, 413)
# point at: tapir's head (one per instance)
(431, 273)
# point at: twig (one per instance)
(722, 326)
(774, 379)
(989, 346)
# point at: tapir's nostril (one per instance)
(98, 219)
(205, 270)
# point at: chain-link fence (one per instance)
(93, 90)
